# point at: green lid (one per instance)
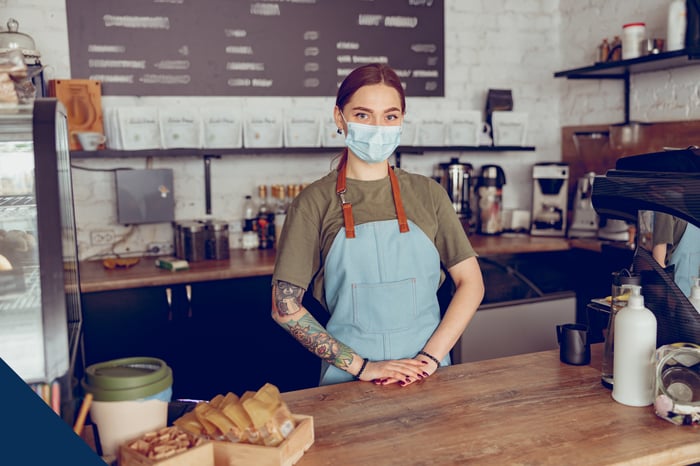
(127, 379)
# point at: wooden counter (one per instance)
(528, 409)
(94, 277)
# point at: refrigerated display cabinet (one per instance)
(40, 313)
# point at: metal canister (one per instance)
(456, 178)
(178, 244)
(217, 245)
(193, 238)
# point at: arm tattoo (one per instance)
(287, 298)
(316, 339)
(306, 328)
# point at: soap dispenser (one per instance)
(635, 347)
(695, 293)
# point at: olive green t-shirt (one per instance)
(315, 217)
(668, 230)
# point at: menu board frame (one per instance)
(253, 47)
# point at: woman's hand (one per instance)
(401, 371)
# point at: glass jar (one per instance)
(618, 299)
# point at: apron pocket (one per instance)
(384, 307)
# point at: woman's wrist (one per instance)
(430, 356)
(365, 361)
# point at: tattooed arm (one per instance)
(288, 311)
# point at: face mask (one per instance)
(372, 143)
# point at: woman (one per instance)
(677, 243)
(370, 241)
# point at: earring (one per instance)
(340, 131)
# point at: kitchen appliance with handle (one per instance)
(585, 219)
(666, 182)
(489, 192)
(457, 178)
(550, 181)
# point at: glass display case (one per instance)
(40, 314)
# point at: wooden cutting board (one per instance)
(83, 101)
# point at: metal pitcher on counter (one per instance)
(457, 179)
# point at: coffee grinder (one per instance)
(585, 218)
(550, 182)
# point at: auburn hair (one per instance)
(366, 75)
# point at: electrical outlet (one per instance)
(102, 237)
(159, 249)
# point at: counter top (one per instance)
(527, 409)
(94, 277)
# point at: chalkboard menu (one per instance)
(252, 48)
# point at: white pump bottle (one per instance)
(635, 346)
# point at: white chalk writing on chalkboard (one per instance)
(253, 48)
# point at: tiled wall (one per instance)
(513, 44)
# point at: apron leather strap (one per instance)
(341, 189)
(398, 203)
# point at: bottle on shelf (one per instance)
(615, 49)
(676, 25)
(635, 348)
(603, 51)
(265, 222)
(278, 193)
(249, 213)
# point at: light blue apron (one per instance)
(381, 288)
(686, 258)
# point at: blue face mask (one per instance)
(372, 143)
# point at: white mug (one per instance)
(90, 141)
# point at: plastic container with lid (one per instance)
(130, 398)
(676, 25)
(633, 34)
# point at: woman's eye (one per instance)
(361, 116)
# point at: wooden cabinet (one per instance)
(217, 336)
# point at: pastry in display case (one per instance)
(40, 314)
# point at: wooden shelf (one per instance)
(108, 153)
(619, 69)
(622, 69)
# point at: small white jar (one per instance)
(632, 36)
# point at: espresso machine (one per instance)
(585, 219)
(550, 191)
(661, 182)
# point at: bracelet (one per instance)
(428, 355)
(362, 369)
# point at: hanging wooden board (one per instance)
(82, 99)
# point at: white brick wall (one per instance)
(513, 44)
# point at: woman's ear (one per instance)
(339, 122)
